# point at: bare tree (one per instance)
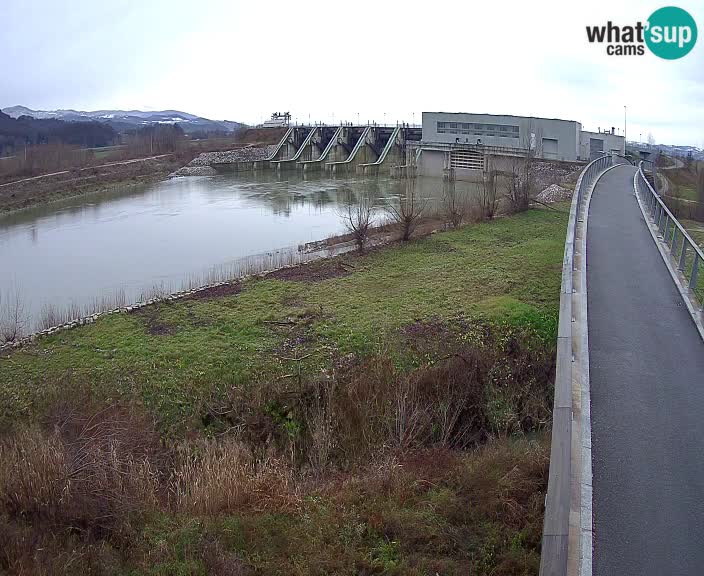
(357, 217)
(519, 184)
(408, 211)
(521, 177)
(12, 317)
(455, 204)
(488, 193)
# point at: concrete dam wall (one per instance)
(345, 149)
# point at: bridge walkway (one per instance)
(646, 362)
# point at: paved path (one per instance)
(647, 385)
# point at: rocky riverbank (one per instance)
(202, 165)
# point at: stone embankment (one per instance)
(554, 193)
(202, 165)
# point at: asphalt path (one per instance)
(647, 385)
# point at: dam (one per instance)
(346, 149)
(448, 145)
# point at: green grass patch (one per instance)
(173, 357)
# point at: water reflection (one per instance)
(128, 239)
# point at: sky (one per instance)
(348, 61)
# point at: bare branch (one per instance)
(408, 211)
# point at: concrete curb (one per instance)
(581, 377)
(565, 532)
(677, 277)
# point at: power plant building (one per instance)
(463, 142)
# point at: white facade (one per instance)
(465, 143)
(592, 144)
(549, 138)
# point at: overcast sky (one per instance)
(330, 61)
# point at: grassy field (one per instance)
(385, 413)
(171, 354)
(695, 230)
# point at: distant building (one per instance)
(278, 120)
(462, 141)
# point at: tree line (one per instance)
(16, 134)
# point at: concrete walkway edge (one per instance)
(583, 402)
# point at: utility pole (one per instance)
(624, 125)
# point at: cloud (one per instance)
(391, 60)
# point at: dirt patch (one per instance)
(153, 323)
(314, 271)
(216, 292)
(261, 135)
(157, 327)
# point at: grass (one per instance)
(695, 230)
(390, 417)
(504, 271)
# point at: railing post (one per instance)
(695, 269)
(683, 255)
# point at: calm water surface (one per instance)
(69, 253)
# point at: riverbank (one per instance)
(76, 181)
(394, 404)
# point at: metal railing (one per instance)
(686, 253)
(555, 543)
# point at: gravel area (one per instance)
(554, 193)
(546, 173)
(194, 171)
(202, 164)
(229, 156)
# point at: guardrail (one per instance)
(555, 544)
(685, 251)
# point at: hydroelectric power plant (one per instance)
(452, 146)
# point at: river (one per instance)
(74, 256)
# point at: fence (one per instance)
(686, 253)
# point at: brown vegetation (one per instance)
(356, 216)
(407, 211)
(367, 468)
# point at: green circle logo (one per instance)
(670, 32)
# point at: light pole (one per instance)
(624, 124)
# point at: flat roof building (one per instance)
(462, 141)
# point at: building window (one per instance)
(480, 130)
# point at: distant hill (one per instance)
(16, 133)
(125, 120)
